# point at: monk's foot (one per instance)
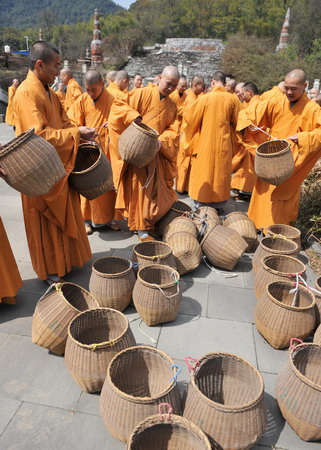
(52, 279)
(143, 236)
(113, 226)
(89, 229)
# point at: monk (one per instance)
(73, 87)
(138, 81)
(276, 91)
(119, 87)
(185, 150)
(244, 177)
(54, 225)
(145, 194)
(211, 123)
(61, 94)
(110, 77)
(11, 93)
(179, 97)
(296, 118)
(317, 99)
(92, 109)
(230, 85)
(313, 92)
(239, 90)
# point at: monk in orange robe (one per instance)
(110, 77)
(185, 150)
(119, 87)
(296, 118)
(61, 94)
(211, 123)
(73, 87)
(10, 280)
(54, 225)
(179, 97)
(145, 194)
(9, 119)
(278, 91)
(92, 109)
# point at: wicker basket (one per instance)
(292, 233)
(241, 223)
(168, 432)
(273, 246)
(225, 397)
(138, 144)
(277, 268)
(176, 210)
(154, 252)
(274, 162)
(317, 336)
(181, 224)
(92, 175)
(94, 338)
(54, 313)
(112, 282)
(277, 320)
(187, 252)
(156, 294)
(298, 391)
(32, 164)
(138, 379)
(318, 302)
(205, 219)
(223, 247)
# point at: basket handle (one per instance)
(169, 411)
(294, 342)
(168, 296)
(134, 264)
(174, 377)
(191, 363)
(219, 272)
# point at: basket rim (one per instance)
(289, 307)
(151, 243)
(111, 275)
(180, 421)
(289, 227)
(208, 233)
(59, 292)
(279, 252)
(171, 384)
(98, 345)
(292, 352)
(146, 129)
(278, 272)
(318, 283)
(93, 145)
(161, 267)
(219, 406)
(279, 153)
(14, 143)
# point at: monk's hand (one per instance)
(138, 120)
(104, 125)
(294, 138)
(88, 134)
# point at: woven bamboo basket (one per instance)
(317, 336)
(181, 224)
(287, 231)
(205, 219)
(298, 391)
(273, 246)
(277, 268)
(156, 294)
(241, 223)
(176, 210)
(225, 397)
(94, 338)
(154, 252)
(167, 432)
(54, 313)
(274, 162)
(186, 250)
(277, 320)
(223, 247)
(92, 175)
(112, 282)
(318, 302)
(32, 164)
(138, 379)
(138, 144)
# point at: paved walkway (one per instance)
(41, 407)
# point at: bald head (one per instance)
(94, 84)
(198, 84)
(295, 84)
(297, 74)
(230, 85)
(65, 75)
(239, 90)
(317, 99)
(110, 76)
(168, 81)
(281, 87)
(92, 76)
(182, 85)
(41, 51)
(122, 79)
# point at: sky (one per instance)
(124, 3)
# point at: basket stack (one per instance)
(225, 397)
(273, 246)
(286, 231)
(138, 379)
(176, 210)
(186, 250)
(298, 391)
(281, 314)
(112, 282)
(154, 252)
(205, 219)
(32, 164)
(274, 162)
(55, 311)
(182, 224)
(241, 223)
(94, 338)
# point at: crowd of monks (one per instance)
(206, 147)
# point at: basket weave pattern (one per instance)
(274, 162)
(205, 219)
(287, 231)
(180, 225)
(154, 252)
(241, 223)
(273, 246)
(186, 250)
(32, 164)
(176, 210)
(317, 336)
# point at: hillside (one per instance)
(35, 13)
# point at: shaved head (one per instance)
(295, 84)
(239, 90)
(297, 74)
(281, 87)
(111, 76)
(67, 72)
(169, 80)
(41, 50)
(92, 76)
(230, 85)
(122, 79)
(198, 84)
(171, 71)
(182, 85)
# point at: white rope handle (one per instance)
(148, 181)
(225, 274)
(168, 296)
(253, 127)
(53, 285)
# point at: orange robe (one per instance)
(54, 225)
(92, 114)
(279, 204)
(179, 102)
(116, 92)
(10, 280)
(73, 92)
(274, 92)
(62, 97)
(211, 122)
(9, 112)
(146, 194)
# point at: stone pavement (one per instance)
(41, 407)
